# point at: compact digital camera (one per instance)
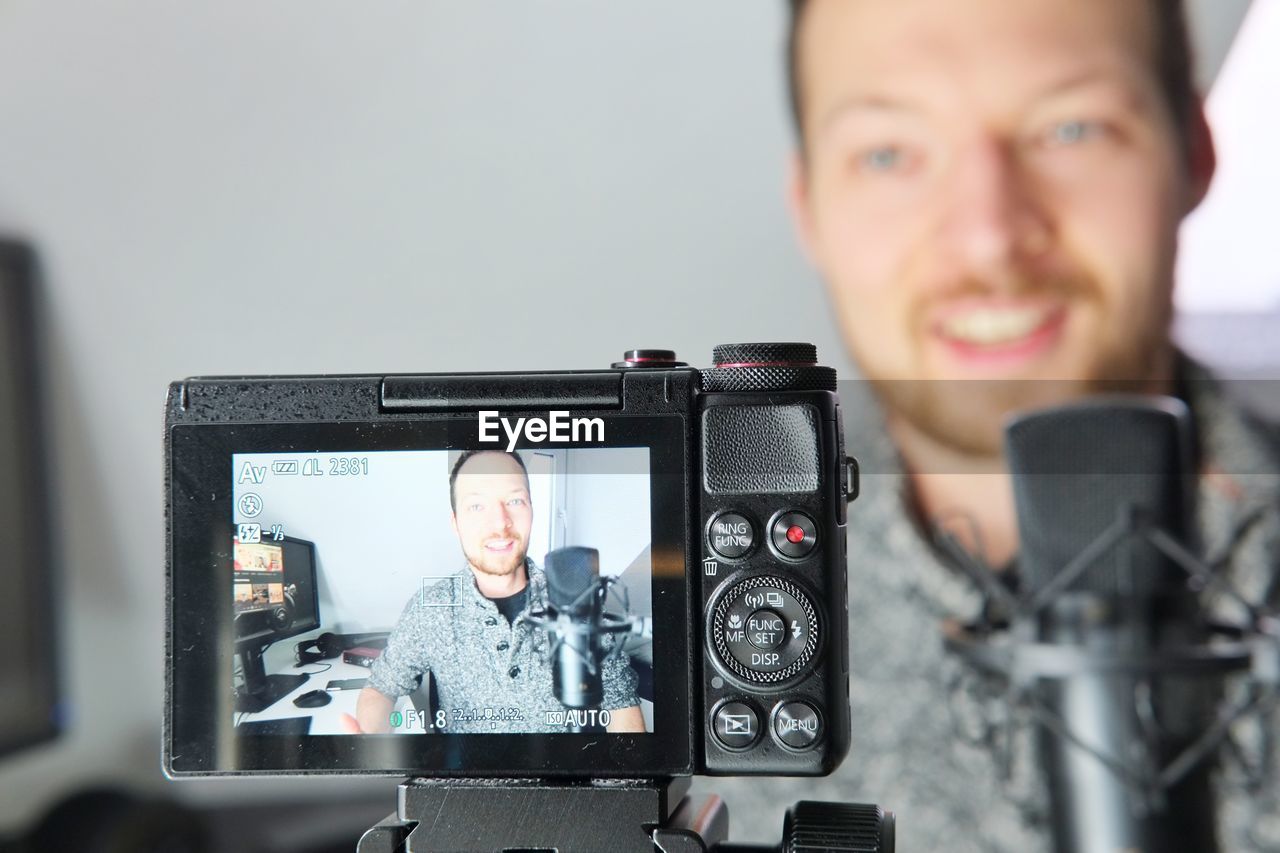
(651, 584)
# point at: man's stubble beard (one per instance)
(483, 562)
(968, 416)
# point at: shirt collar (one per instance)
(537, 587)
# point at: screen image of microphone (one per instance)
(576, 601)
(1119, 704)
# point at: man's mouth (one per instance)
(499, 546)
(994, 326)
(984, 332)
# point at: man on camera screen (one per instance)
(466, 630)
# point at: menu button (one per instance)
(797, 725)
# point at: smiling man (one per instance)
(467, 632)
(992, 191)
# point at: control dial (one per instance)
(767, 367)
(765, 630)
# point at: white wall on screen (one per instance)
(607, 507)
(545, 468)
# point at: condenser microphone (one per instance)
(575, 598)
(1115, 623)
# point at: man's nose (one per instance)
(501, 516)
(992, 216)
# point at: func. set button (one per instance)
(731, 535)
(766, 630)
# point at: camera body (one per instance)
(743, 482)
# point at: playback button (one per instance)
(730, 535)
(736, 725)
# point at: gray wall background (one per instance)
(337, 187)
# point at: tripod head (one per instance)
(624, 816)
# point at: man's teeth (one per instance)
(994, 325)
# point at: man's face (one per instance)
(492, 516)
(992, 191)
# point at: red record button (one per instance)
(794, 535)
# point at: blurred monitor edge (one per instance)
(29, 680)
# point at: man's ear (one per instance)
(453, 522)
(799, 203)
(1202, 156)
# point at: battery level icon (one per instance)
(285, 467)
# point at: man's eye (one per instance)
(516, 502)
(886, 158)
(1072, 133)
(475, 507)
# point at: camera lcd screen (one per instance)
(457, 584)
(448, 556)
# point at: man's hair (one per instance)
(1175, 64)
(465, 458)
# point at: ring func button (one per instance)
(730, 535)
(766, 630)
(794, 535)
(797, 725)
(736, 725)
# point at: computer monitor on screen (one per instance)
(274, 597)
(29, 679)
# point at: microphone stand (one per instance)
(1026, 666)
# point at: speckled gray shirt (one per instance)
(491, 676)
(926, 731)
